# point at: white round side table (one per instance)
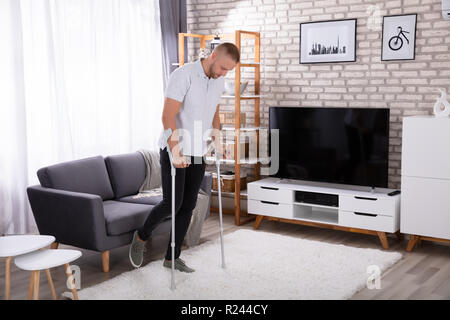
(11, 246)
(44, 260)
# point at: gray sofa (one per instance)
(88, 203)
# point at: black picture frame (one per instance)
(352, 59)
(383, 37)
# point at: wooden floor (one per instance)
(421, 274)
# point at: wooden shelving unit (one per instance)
(236, 38)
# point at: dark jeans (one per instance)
(187, 185)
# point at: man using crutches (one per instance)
(192, 98)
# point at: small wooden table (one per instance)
(11, 246)
(44, 260)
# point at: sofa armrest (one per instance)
(206, 186)
(207, 183)
(73, 218)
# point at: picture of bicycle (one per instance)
(396, 42)
(399, 37)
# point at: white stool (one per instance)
(46, 259)
(11, 246)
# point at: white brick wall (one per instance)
(406, 87)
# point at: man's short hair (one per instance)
(230, 50)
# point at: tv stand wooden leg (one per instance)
(412, 242)
(383, 240)
(258, 222)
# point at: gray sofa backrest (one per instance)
(87, 175)
(126, 172)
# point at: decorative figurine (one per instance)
(442, 102)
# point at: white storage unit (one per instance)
(425, 177)
(355, 207)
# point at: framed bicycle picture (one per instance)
(328, 41)
(399, 37)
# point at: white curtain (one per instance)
(78, 78)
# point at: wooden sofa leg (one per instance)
(54, 245)
(105, 261)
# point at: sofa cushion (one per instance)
(123, 217)
(126, 172)
(152, 200)
(87, 175)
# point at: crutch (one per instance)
(172, 173)
(219, 192)
(165, 137)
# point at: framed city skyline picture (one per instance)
(328, 41)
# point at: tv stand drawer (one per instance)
(268, 208)
(270, 193)
(369, 204)
(363, 220)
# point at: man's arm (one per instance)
(171, 109)
(216, 132)
(216, 120)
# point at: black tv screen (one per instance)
(335, 145)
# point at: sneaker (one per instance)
(137, 250)
(180, 265)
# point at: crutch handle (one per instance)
(163, 141)
(173, 171)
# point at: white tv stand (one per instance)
(356, 209)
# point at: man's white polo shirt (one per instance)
(199, 96)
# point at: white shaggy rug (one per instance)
(260, 265)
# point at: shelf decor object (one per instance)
(229, 87)
(236, 38)
(442, 106)
(328, 41)
(215, 42)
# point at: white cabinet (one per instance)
(426, 147)
(425, 180)
(357, 208)
(425, 207)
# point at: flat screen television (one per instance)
(335, 145)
